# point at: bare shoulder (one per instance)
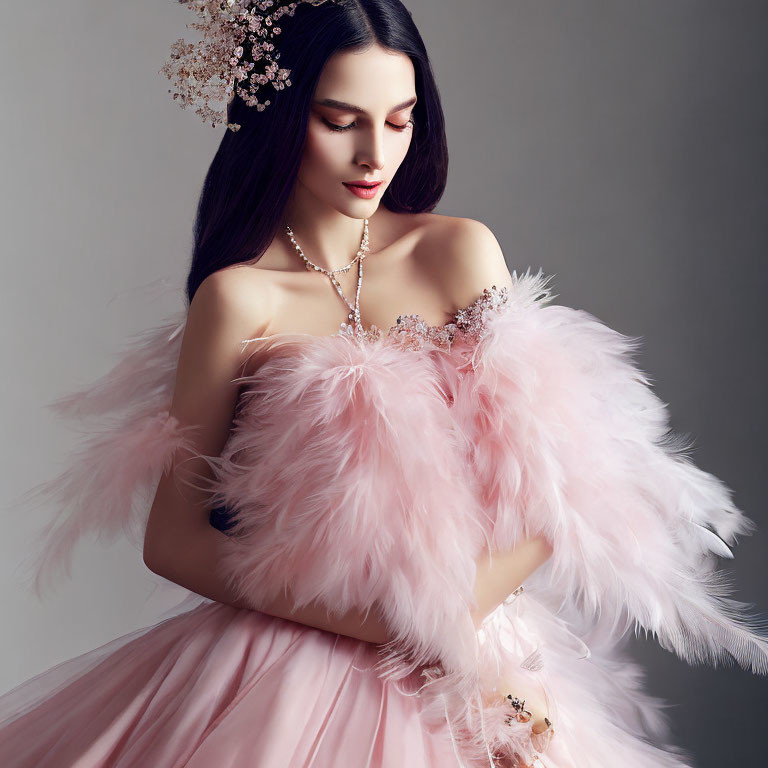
(223, 312)
(231, 305)
(464, 256)
(239, 297)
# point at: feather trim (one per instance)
(570, 441)
(128, 441)
(345, 484)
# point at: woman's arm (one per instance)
(192, 563)
(501, 572)
(497, 577)
(469, 259)
(179, 542)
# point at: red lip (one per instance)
(364, 189)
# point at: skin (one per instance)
(368, 143)
(419, 263)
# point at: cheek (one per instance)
(398, 149)
(321, 151)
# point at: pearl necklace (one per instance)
(354, 313)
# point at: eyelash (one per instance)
(341, 128)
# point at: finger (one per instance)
(540, 726)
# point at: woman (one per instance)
(358, 495)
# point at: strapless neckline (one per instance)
(411, 331)
(467, 320)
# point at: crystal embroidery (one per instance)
(374, 333)
(473, 318)
(412, 331)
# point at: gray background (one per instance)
(622, 146)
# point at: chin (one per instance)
(363, 209)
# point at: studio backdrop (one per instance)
(620, 146)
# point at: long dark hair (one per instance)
(249, 182)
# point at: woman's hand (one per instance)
(512, 688)
(523, 694)
(520, 692)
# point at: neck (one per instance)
(328, 238)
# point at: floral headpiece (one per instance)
(237, 46)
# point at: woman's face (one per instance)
(359, 128)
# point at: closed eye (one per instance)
(339, 128)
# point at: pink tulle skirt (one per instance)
(220, 687)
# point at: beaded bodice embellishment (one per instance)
(413, 331)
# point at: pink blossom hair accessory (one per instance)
(237, 55)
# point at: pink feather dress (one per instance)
(374, 470)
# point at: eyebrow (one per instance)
(346, 107)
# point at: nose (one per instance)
(370, 149)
